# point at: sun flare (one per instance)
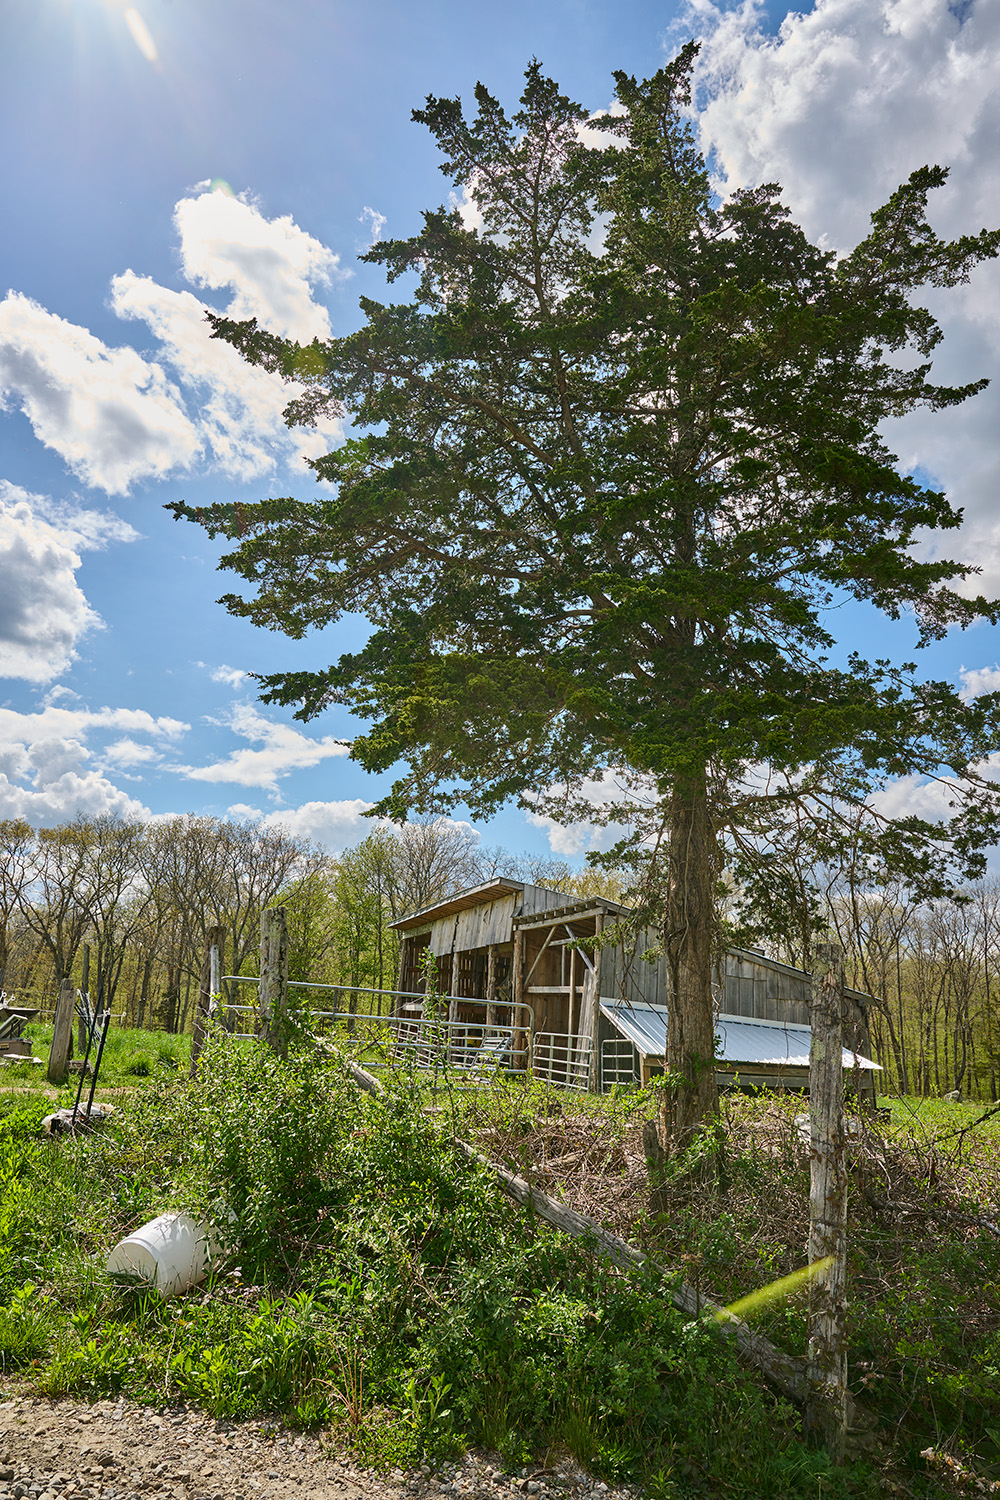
(140, 34)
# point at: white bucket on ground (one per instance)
(170, 1254)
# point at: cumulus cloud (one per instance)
(335, 825)
(116, 416)
(129, 752)
(935, 799)
(239, 408)
(112, 415)
(570, 834)
(49, 773)
(977, 680)
(271, 265)
(840, 107)
(284, 749)
(232, 676)
(43, 611)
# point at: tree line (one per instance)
(135, 902)
(142, 897)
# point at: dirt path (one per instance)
(116, 1450)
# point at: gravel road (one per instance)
(115, 1450)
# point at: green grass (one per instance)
(132, 1058)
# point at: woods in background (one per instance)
(142, 896)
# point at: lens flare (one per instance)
(140, 34)
(778, 1290)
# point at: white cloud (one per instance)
(376, 222)
(335, 825)
(840, 108)
(977, 680)
(43, 611)
(110, 414)
(116, 416)
(469, 211)
(240, 422)
(49, 774)
(231, 676)
(271, 265)
(129, 752)
(284, 749)
(569, 833)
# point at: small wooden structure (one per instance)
(598, 992)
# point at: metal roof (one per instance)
(741, 1040)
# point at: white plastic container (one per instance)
(170, 1254)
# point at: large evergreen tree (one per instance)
(614, 459)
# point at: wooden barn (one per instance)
(569, 977)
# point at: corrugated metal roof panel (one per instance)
(741, 1041)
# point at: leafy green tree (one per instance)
(616, 457)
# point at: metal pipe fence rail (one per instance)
(473, 1052)
(562, 1060)
(619, 1064)
(426, 1037)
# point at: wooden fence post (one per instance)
(825, 1416)
(82, 1029)
(208, 988)
(273, 999)
(517, 995)
(62, 1034)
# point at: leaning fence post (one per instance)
(62, 1034)
(825, 1415)
(208, 989)
(273, 993)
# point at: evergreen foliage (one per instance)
(615, 460)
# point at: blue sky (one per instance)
(121, 681)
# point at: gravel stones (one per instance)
(115, 1450)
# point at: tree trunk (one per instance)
(826, 1408)
(689, 932)
(83, 1030)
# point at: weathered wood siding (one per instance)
(748, 985)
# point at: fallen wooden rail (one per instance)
(787, 1372)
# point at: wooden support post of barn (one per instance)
(209, 985)
(273, 1001)
(491, 985)
(523, 1044)
(594, 1019)
(62, 1034)
(825, 1416)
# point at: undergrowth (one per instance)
(372, 1282)
(923, 1234)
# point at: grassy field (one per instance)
(376, 1286)
(131, 1059)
